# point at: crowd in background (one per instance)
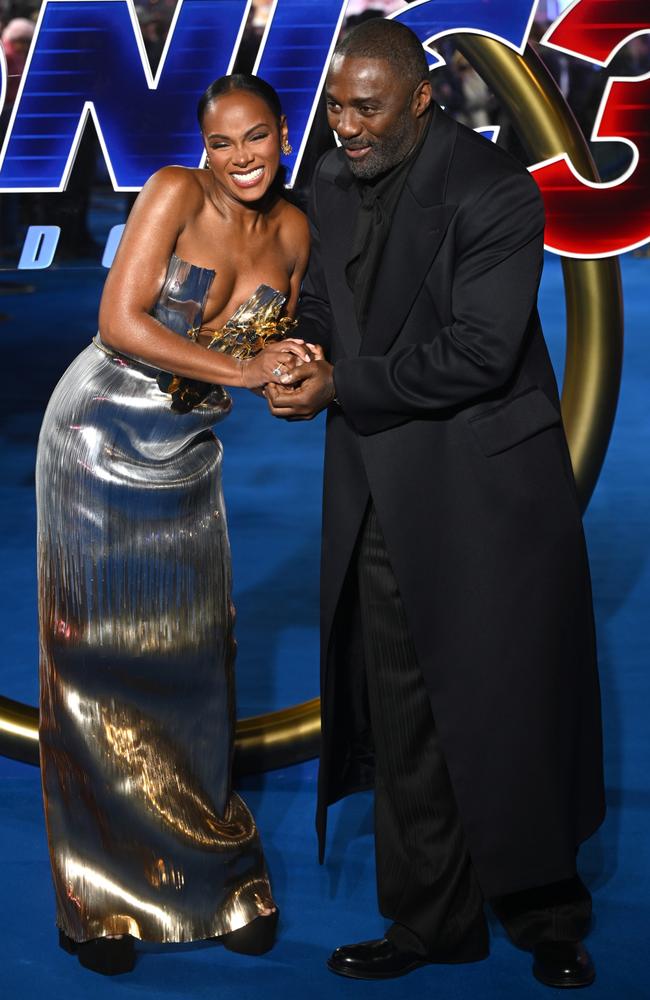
(457, 86)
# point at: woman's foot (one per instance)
(110, 956)
(255, 938)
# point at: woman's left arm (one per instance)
(296, 239)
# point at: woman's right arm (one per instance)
(133, 285)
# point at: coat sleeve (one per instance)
(314, 314)
(499, 254)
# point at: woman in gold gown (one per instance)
(147, 838)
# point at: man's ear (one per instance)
(422, 98)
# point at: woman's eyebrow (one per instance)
(220, 135)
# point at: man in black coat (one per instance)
(458, 659)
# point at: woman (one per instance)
(147, 839)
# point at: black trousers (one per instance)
(425, 879)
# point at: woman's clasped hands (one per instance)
(278, 363)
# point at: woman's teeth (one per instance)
(249, 178)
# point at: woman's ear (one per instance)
(285, 145)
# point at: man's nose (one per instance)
(348, 124)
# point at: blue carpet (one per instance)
(272, 481)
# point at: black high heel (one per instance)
(108, 956)
(256, 938)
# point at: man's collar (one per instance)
(427, 178)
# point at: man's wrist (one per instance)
(335, 397)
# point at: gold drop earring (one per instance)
(286, 147)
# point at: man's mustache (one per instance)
(355, 143)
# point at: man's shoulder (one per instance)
(488, 185)
(483, 151)
(477, 164)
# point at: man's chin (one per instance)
(364, 170)
(373, 165)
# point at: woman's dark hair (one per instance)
(240, 81)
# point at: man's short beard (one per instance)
(386, 152)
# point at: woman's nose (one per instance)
(241, 156)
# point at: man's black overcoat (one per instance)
(450, 419)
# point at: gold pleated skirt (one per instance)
(137, 709)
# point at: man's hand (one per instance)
(313, 392)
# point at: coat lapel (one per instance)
(419, 225)
(337, 224)
(339, 228)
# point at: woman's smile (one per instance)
(248, 178)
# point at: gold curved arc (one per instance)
(19, 722)
(594, 354)
(285, 737)
(594, 304)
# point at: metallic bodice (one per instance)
(183, 296)
(141, 410)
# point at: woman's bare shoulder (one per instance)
(176, 183)
(294, 227)
(168, 201)
(292, 215)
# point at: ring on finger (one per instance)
(278, 369)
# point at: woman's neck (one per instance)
(247, 216)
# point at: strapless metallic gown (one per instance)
(137, 715)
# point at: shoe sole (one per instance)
(115, 969)
(352, 974)
(563, 984)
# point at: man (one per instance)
(458, 658)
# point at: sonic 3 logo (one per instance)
(88, 60)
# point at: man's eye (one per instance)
(333, 106)
(366, 109)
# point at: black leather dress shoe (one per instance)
(563, 964)
(373, 960)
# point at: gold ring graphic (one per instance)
(592, 374)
